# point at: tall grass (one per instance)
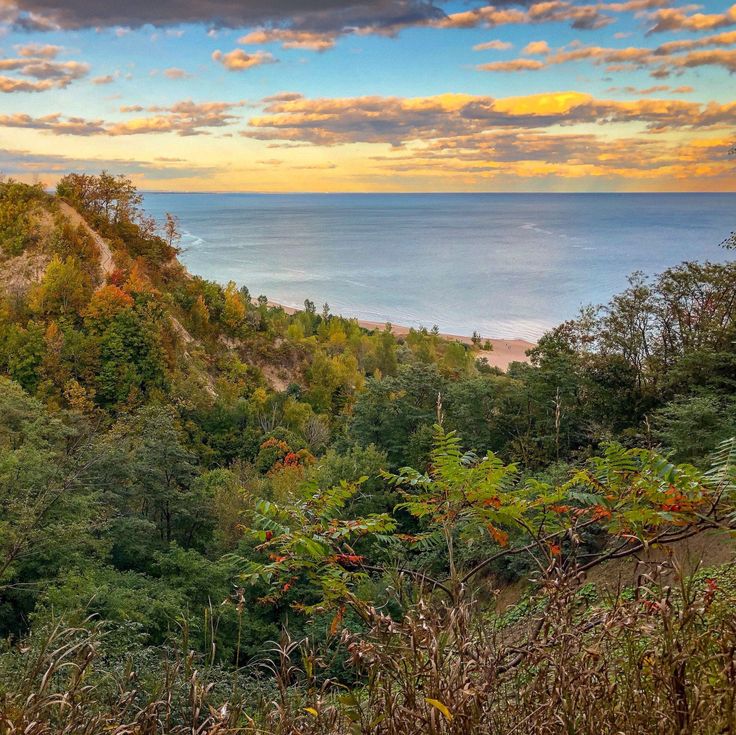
(656, 659)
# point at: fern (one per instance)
(722, 473)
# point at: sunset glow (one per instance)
(381, 95)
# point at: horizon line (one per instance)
(428, 193)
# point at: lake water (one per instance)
(506, 265)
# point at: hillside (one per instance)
(55, 227)
(220, 516)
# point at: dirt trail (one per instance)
(107, 266)
(107, 263)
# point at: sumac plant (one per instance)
(632, 499)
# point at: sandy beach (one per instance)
(504, 352)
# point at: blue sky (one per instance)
(388, 95)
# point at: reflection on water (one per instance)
(505, 265)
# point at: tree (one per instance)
(113, 198)
(332, 381)
(107, 302)
(395, 412)
(45, 509)
(234, 311)
(200, 315)
(480, 408)
(21, 353)
(694, 425)
(128, 348)
(386, 360)
(64, 289)
(18, 230)
(172, 231)
(159, 472)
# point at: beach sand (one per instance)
(504, 352)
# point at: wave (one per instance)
(535, 228)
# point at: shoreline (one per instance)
(504, 352)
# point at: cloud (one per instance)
(22, 162)
(46, 51)
(303, 14)
(529, 155)
(677, 19)
(282, 97)
(581, 17)
(327, 166)
(401, 121)
(107, 79)
(174, 72)
(674, 47)
(654, 89)
(9, 85)
(308, 40)
(714, 57)
(662, 61)
(493, 46)
(54, 123)
(63, 72)
(319, 32)
(39, 72)
(313, 24)
(185, 118)
(536, 48)
(239, 60)
(514, 65)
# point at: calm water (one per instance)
(507, 265)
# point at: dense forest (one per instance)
(218, 517)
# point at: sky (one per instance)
(374, 95)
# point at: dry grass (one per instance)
(656, 659)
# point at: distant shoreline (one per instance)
(504, 352)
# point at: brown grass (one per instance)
(658, 658)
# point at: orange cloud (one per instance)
(401, 121)
(663, 60)
(525, 155)
(513, 65)
(677, 19)
(54, 123)
(185, 118)
(40, 72)
(46, 51)
(174, 72)
(673, 47)
(579, 16)
(9, 85)
(289, 38)
(550, 11)
(655, 89)
(536, 48)
(55, 165)
(493, 46)
(713, 57)
(239, 60)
